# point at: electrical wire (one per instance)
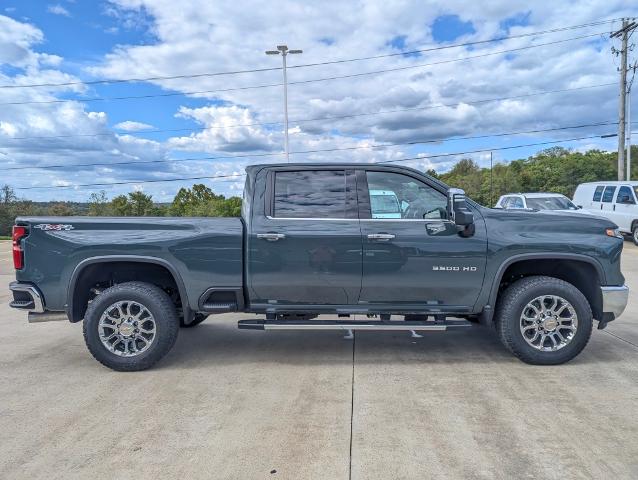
(424, 157)
(301, 82)
(331, 62)
(315, 119)
(326, 150)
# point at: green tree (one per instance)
(141, 204)
(99, 205)
(121, 206)
(60, 209)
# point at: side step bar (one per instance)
(349, 325)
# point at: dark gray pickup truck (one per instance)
(395, 247)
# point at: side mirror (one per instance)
(459, 212)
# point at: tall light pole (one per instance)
(283, 50)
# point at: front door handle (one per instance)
(381, 236)
(271, 237)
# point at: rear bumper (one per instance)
(26, 297)
(615, 299)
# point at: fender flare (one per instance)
(538, 256)
(79, 268)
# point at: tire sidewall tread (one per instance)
(509, 309)
(158, 303)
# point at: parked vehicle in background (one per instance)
(536, 201)
(342, 239)
(615, 201)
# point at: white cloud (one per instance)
(227, 129)
(58, 9)
(131, 126)
(202, 36)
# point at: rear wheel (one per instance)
(543, 320)
(130, 326)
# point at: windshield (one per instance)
(551, 203)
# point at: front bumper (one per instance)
(614, 299)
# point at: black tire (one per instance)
(634, 233)
(160, 306)
(510, 308)
(199, 318)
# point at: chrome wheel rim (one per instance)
(548, 323)
(127, 328)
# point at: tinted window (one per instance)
(507, 202)
(625, 195)
(517, 202)
(551, 203)
(608, 194)
(598, 193)
(310, 194)
(393, 195)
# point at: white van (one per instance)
(613, 200)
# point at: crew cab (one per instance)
(311, 250)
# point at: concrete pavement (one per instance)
(238, 404)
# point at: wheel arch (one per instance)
(75, 309)
(531, 260)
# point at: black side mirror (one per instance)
(459, 212)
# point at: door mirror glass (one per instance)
(460, 213)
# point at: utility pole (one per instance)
(627, 26)
(491, 167)
(283, 50)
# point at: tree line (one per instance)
(556, 170)
(198, 201)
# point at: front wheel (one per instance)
(543, 320)
(130, 326)
(634, 234)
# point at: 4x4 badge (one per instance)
(53, 226)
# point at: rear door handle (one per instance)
(381, 236)
(271, 237)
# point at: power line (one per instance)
(315, 119)
(331, 62)
(302, 152)
(301, 82)
(134, 182)
(466, 44)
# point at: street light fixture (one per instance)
(283, 50)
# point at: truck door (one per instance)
(304, 243)
(416, 256)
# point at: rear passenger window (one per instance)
(598, 193)
(625, 195)
(310, 194)
(608, 194)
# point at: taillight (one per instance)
(18, 254)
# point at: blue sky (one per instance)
(75, 41)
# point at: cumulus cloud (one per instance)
(413, 104)
(131, 126)
(58, 9)
(226, 129)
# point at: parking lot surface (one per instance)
(240, 404)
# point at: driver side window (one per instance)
(398, 196)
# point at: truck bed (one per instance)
(203, 251)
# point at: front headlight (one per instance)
(613, 232)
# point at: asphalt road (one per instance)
(232, 404)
